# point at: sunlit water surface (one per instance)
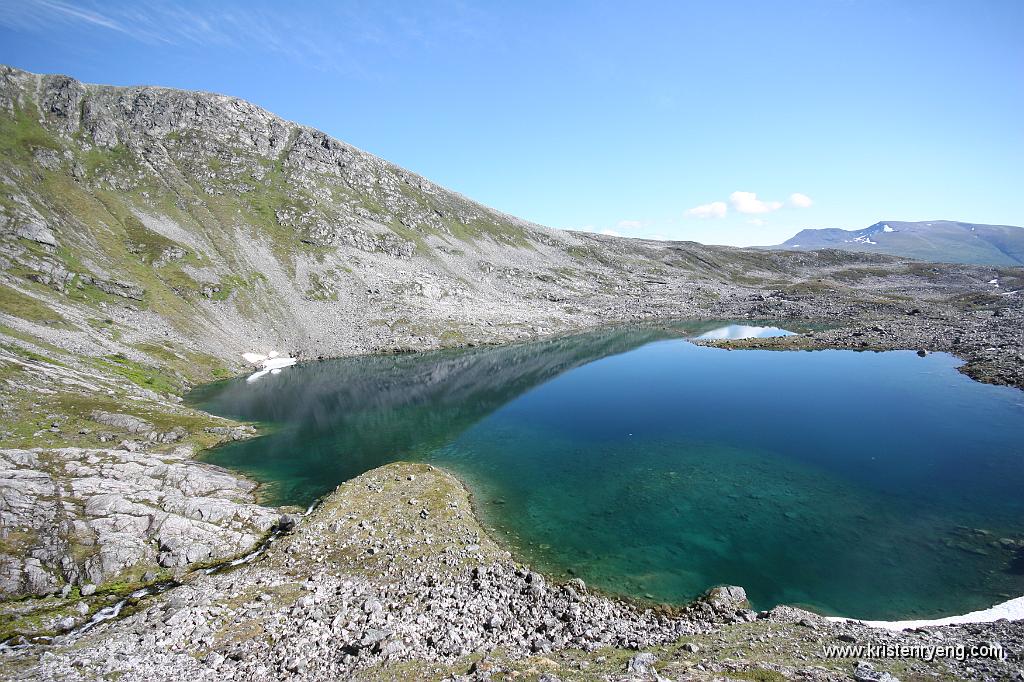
(872, 485)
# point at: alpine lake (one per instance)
(862, 484)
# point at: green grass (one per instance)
(14, 302)
(21, 134)
(100, 161)
(154, 378)
(191, 365)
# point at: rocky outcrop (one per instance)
(78, 516)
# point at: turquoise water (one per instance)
(871, 485)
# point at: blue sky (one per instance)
(724, 122)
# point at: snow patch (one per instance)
(886, 228)
(994, 281)
(863, 239)
(271, 363)
(1010, 610)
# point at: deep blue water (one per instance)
(872, 485)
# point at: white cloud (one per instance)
(629, 225)
(716, 209)
(611, 233)
(747, 202)
(757, 221)
(798, 200)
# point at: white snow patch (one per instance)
(886, 228)
(271, 363)
(994, 281)
(1011, 610)
(277, 363)
(863, 239)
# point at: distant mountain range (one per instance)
(943, 241)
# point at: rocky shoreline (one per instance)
(392, 577)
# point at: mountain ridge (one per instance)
(948, 241)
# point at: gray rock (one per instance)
(726, 597)
(288, 522)
(125, 422)
(865, 672)
(129, 509)
(642, 664)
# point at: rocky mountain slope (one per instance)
(942, 241)
(149, 222)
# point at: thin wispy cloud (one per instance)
(344, 37)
